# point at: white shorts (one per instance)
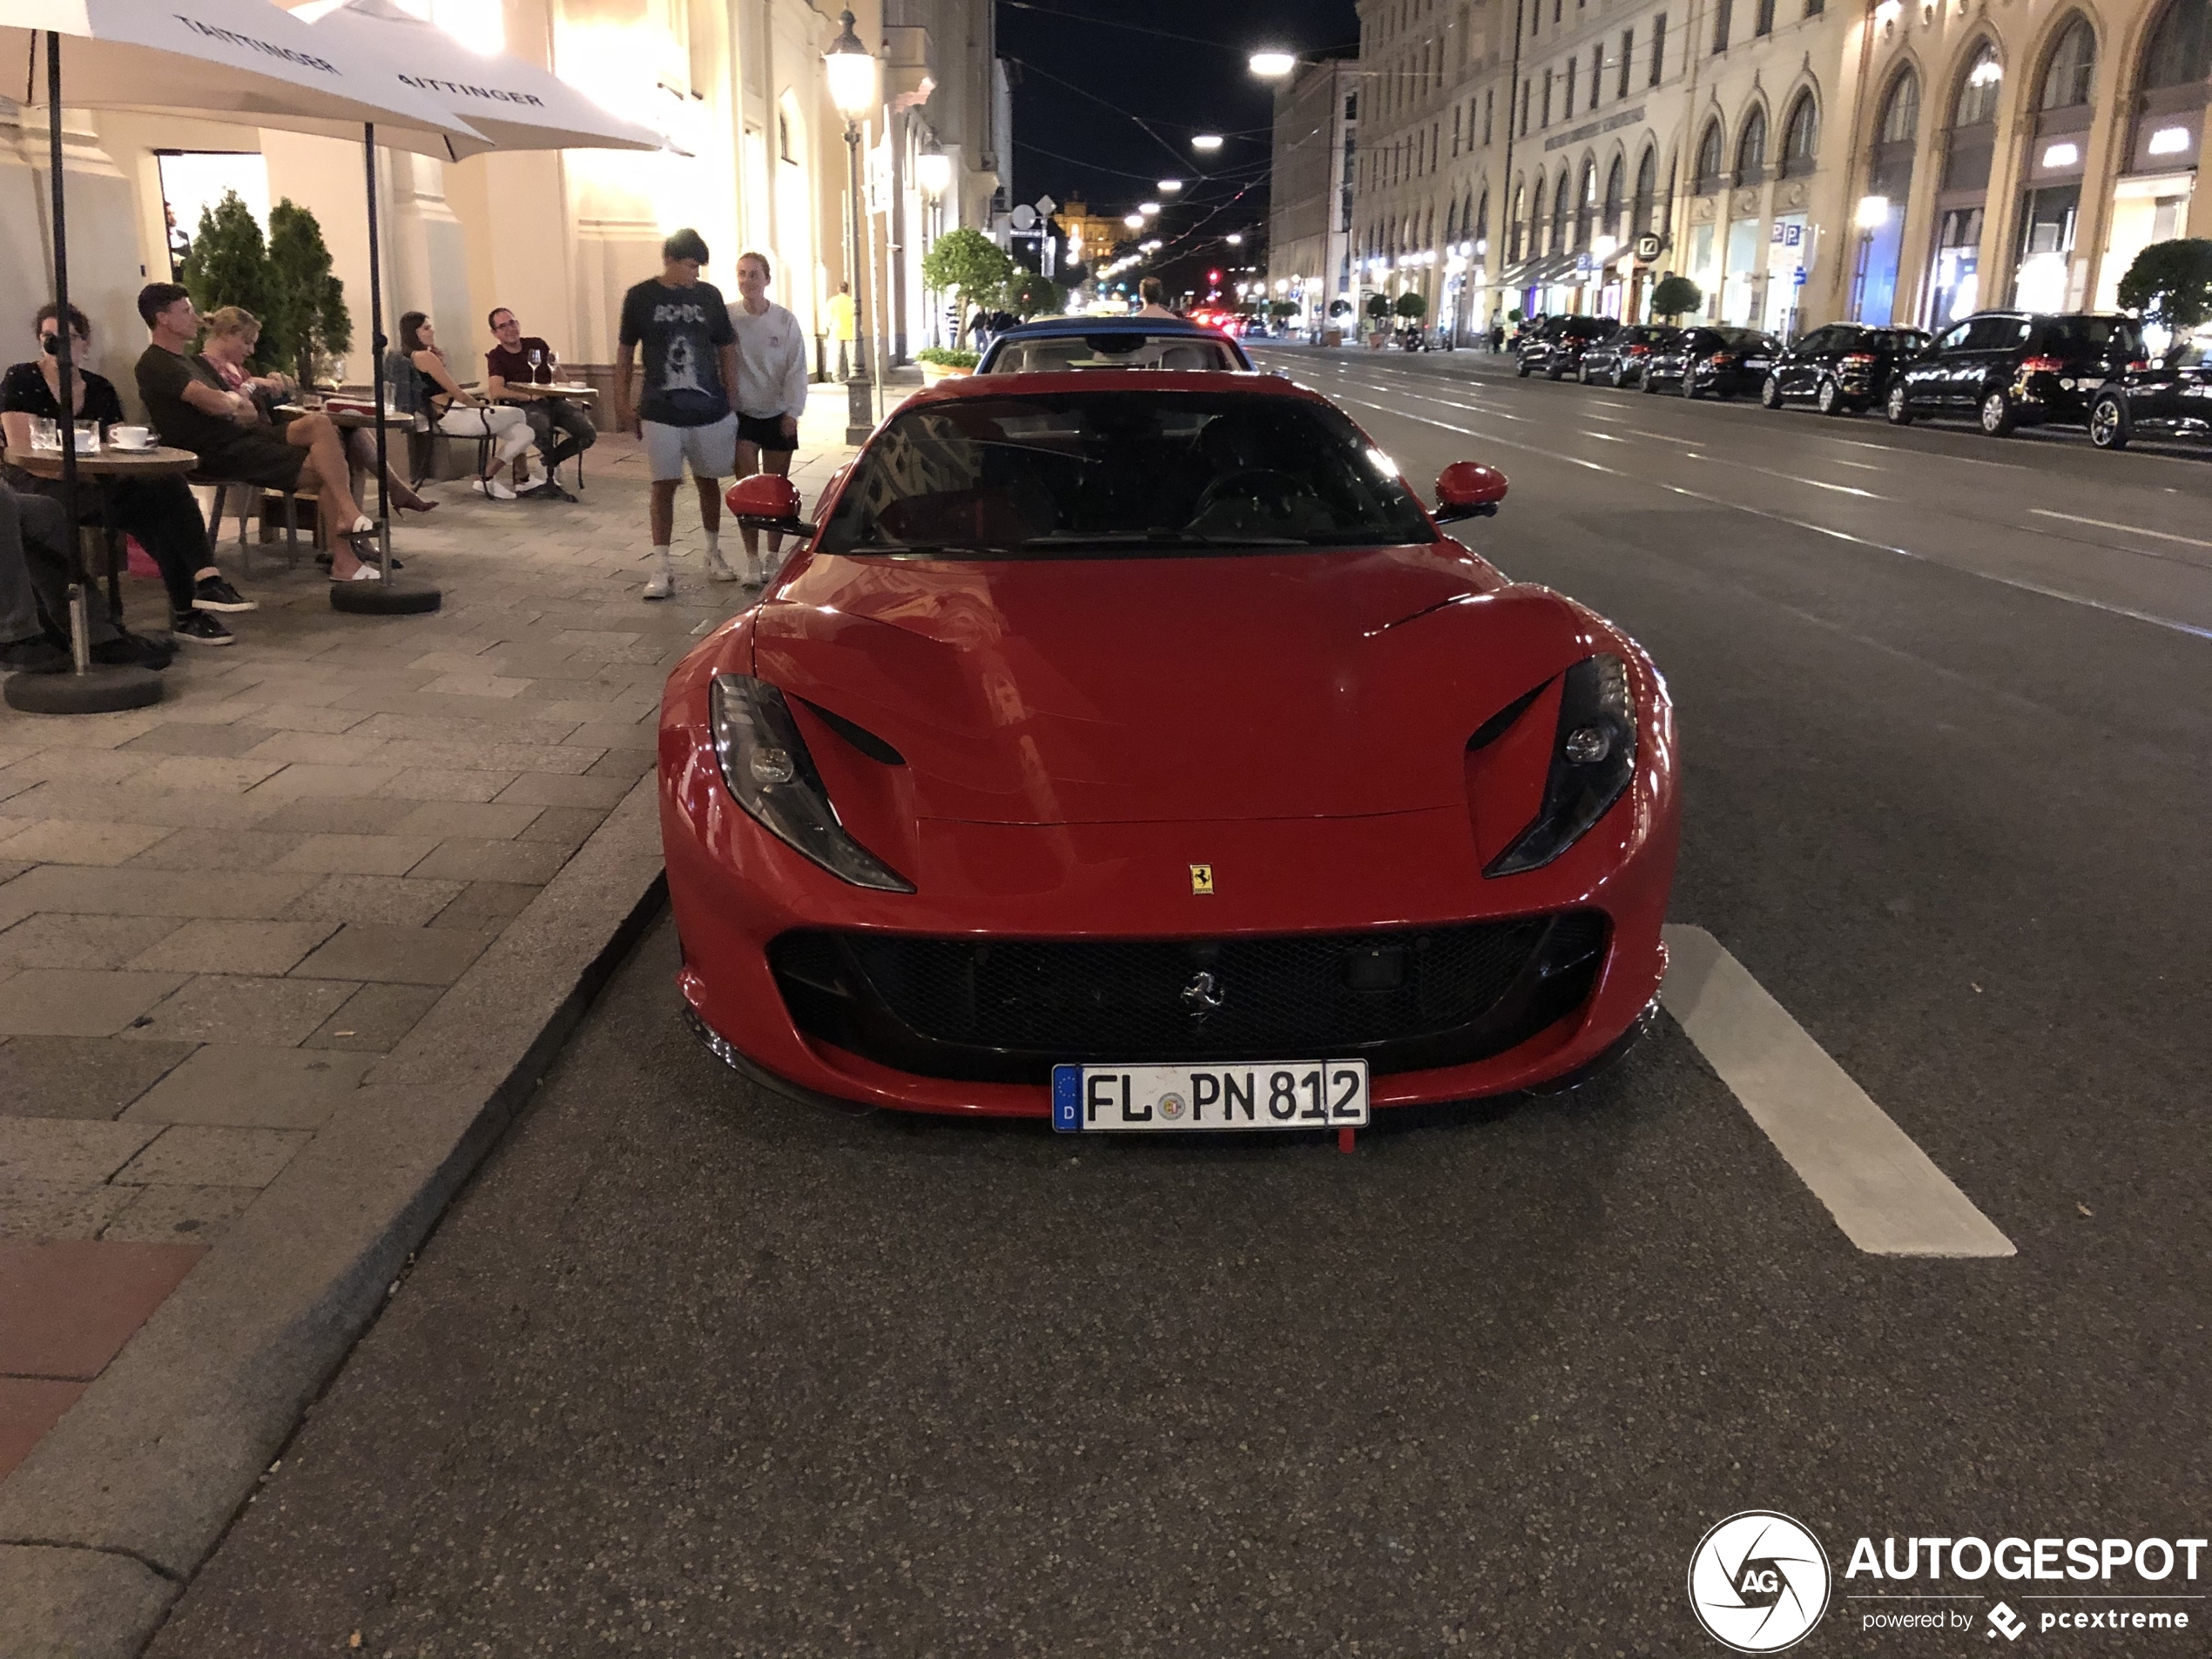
(711, 450)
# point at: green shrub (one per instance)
(946, 357)
(1378, 305)
(1411, 306)
(1674, 295)
(2171, 284)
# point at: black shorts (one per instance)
(256, 456)
(766, 432)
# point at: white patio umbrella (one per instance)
(247, 59)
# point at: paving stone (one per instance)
(80, 942)
(568, 827)
(395, 955)
(617, 735)
(509, 757)
(321, 748)
(306, 778)
(486, 904)
(78, 1002)
(29, 1406)
(126, 804)
(80, 1076)
(450, 783)
(552, 789)
(34, 1211)
(467, 858)
(274, 1013)
(251, 1088)
(484, 820)
(404, 902)
(86, 766)
(477, 685)
(207, 771)
(77, 841)
(391, 854)
(235, 947)
(130, 891)
(374, 1019)
(205, 1154)
(628, 764)
(70, 1150)
(190, 738)
(160, 1213)
(339, 814)
(67, 1309)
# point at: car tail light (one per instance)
(1858, 360)
(2041, 365)
(1637, 351)
(2136, 366)
(1717, 359)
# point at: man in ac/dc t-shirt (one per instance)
(691, 363)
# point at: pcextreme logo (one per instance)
(1758, 1581)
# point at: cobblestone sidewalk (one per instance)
(218, 915)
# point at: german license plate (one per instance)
(1270, 1093)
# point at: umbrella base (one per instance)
(385, 599)
(97, 690)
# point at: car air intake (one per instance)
(1008, 1010)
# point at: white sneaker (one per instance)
(753, 570)
(718, 568)
(532, 486)
(661, 583)
(497, 488)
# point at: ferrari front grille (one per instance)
(1008, 1010)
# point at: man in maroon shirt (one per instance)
(511, 377)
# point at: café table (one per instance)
(156, 461)
(570, 392)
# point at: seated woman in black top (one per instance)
(161, 512)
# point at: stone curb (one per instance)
(104, 1524)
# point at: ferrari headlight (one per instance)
(769, 772)
(1594, 759)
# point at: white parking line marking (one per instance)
(1884, 1192)
(2106, 524)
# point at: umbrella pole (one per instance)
(386, 597)
(90, 689)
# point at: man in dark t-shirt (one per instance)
(511, 377)
(689, 349)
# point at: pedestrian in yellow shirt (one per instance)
(841, 312)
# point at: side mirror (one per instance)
(1468, 489)
(767, 502)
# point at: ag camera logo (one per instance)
(1758, 1581)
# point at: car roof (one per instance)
(1250, 382)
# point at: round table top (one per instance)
(155, 463)
(561, 390)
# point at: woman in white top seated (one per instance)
(463, 414)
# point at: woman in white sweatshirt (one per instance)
(771, 389)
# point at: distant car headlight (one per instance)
(1594, 759)
(766, 765)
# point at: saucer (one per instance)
(123, 448)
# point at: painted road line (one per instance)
(2106, 524)
(1884, 1192)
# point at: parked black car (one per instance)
(1842, 369)
(1618, 359)
(2169, 398)
(1722, 361)
(2008, 368)
(1557, 346)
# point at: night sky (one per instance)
(1082, 70)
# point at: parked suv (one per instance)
(2008, 368)
(1699, 360)
(1618, 359)
(1557, 346)
(2171, 399)
(1842, 369)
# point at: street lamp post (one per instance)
(852, 71)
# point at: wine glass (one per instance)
(537, 364)
(552, 358)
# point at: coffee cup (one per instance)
(131, 437)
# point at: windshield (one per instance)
(1058, 353)
(1133, 472)
(2082, 336)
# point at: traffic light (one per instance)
(1214, 277)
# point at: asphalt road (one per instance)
(691, 1369)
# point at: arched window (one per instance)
(1586, 214)
(1483, 224)
(1515, 234)
(1562, 205)
(1900, 111)
(2180, 47)
(1614, 179)
(1980, 88)
(1707, 177)
(2072, 71)
(1801, 138)
(1750, 148)
(1646, 190)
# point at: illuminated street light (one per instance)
(1206, 142)
(1234, 239)
(1147, 208)
(1169, 187)
(933, 171)
(1271, 65)
(1873, 213)
(1135, 221)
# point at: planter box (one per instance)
(931, 372)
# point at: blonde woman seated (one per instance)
(232, 334)
(463, 414)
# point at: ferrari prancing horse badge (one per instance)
(1202, 879)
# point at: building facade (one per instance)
(1799, 160)
(558, 236)
(1316, 151)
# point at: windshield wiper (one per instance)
(1160, 538)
